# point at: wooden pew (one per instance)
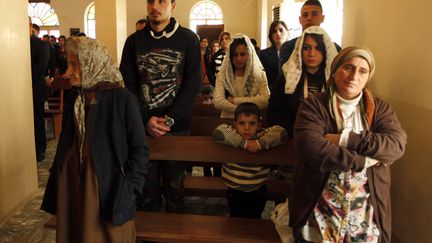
(199, 109)
(164, 227)
(203, 149)
(204, 126)
(55, 97)
(214, 187)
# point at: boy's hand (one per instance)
(252, 146)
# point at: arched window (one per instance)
(205, 12)
(90, 21)
(44, 15)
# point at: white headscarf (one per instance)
(253, 68)
(292, 69)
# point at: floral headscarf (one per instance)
(293, 68)
(96, 67)
(253, 68)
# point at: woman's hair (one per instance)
(233, 46)
(62, 37)
(247, 108)
(272, 28)
(222, 34)
(320, 46)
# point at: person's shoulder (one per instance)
(187, 32)
(266, 52)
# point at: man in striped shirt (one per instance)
(247, 193)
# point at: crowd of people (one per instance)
(313, 92)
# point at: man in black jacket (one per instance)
(161, 65)
(39, 64)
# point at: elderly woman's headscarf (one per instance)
(253, 68)
(367, 104)
(293, 68)
(97, 68)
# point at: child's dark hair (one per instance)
(207, 89)
(247, 108)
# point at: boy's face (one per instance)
(207, 98)
(247, 125)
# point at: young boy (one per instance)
(247, 193)
(206, 94)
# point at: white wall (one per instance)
(398, 34)
(18, 175)
(70, 14)
(240, 16)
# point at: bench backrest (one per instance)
(204, 149)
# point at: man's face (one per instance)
(46, 39)
(160, 11)
(311, 15)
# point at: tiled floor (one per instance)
(26, 226)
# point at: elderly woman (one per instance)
(101, 157)
(346, 141)
(241, 78)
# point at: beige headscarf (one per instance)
(96, 67)
(293, 68)
(367, 105)
(253, 67)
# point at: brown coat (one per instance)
(385, 141)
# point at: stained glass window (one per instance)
(42, 14)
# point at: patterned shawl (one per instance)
(97, 67)
(253, 68)
(293, 68)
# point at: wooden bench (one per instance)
(55, 97)
(204, 126)
(164, 227)
(203, 149)
(199, 109)
(214, 187)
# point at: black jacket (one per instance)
(270, 61)
(119, 153)
(164, 73)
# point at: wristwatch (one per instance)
(169, 121)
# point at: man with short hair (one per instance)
(161, 65)
(35, 29)
(311, 14)
(39, 53)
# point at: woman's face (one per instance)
(311, 56)
(241, 56)
(225, 41)
(280, 35)
(215, 47)
(351, 77)
(204, 43)
(61, 42)
(73, 72)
